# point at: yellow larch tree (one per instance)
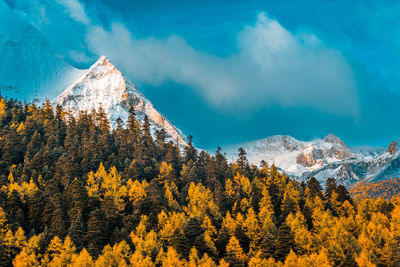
(234, 253)
(252, 228)
(375, 237)
(30, 254)
(118, 255)
(200, 199)
(168, 223)
(171, 258)
(303, 238)
(83, 259)
(146, 243)
(102, 184)
(136, 190)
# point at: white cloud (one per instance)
(75, 10)
(78, 56)
(273, 66)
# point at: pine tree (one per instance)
(343, 194)
(284, 242)
(133, 126)
(192, 230)
(188, 173)
(33, 147)
(173, 158)
(190, 151)
(161, 136)
(267, 245)
(242, 162)
(58, 223)
(222, 241)
(36, 206)
(15, 208)
(96, 234)
(178, 242)
(77, 199)
(330, 187)
(77, 231)
(313, 188)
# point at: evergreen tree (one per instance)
(173, 158)
(33, 147)
(15, 208)
(96, 234)
(330, 187)
(242, 162)
(77, 199)
(161, 136)
(36, 206)
(313, 188)
(133, 126)
(192, 230)
(343, 194)
(284, 242)
(77, 231)
(190, 151)
(178, 242)
(267, 246)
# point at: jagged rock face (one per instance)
(393, 148)
(310, 156)
(330, 138)
(103, 85)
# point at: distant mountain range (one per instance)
(323, 158)
(30, 70)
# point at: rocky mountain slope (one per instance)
(104, 85)
(323, 158)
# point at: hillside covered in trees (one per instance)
(387, 189)
(74, 192)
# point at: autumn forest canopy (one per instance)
(75, 192)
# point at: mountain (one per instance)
(30, 69)
(323, 158)
(104, 85)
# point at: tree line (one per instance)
(74, 192)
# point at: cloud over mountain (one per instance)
(272, 66)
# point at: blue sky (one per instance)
(234, 71)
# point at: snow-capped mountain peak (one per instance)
(331, 138)
(103, 85)
(322, 158)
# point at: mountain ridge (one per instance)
(322, 158)
(103, 85)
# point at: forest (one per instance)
(77, 192)
(387, 189)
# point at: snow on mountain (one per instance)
(29, 69)
(322, 158)
(292, 155)
(32, 71)
(104, 85)
(367, 152)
